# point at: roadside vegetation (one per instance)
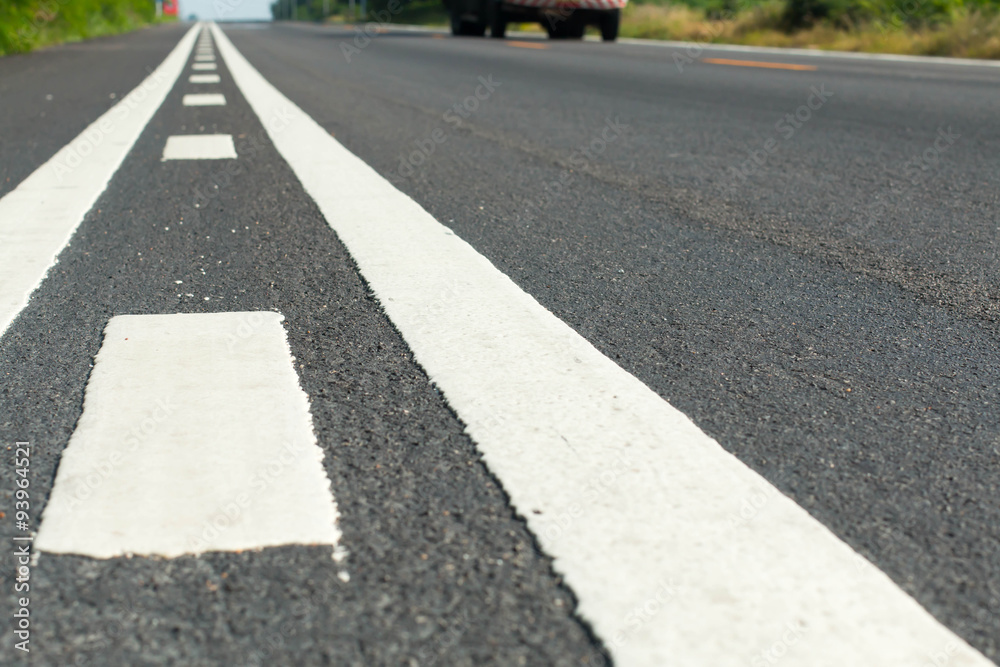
(924, 27)
(30, 24)
(961, 28)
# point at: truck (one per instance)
(562, 19)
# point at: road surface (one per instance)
(643, 354)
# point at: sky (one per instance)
(226, 9)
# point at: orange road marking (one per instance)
(528, 45)
(756, 63)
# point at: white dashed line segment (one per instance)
(199, 147)
(204, 100)
(195, 436)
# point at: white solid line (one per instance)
(642, 512)
(688, 48)
(204, 100)
(195, 436)
(38, 217)
(203, 66)
(204, 78)
(199, 147)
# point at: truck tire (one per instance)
(610, 20)
(498, 22)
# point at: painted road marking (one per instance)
(199, 147)
(195, 436)
(757, 63)
(204, 100)
(697, 47)
(39, 216)
(527, 45)
(204, 58)
(204, 66)
(204, 78)
(644, 514)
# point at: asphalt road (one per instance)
(818, 293)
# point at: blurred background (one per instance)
(964, 28)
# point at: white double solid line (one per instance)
(38, 217)
(195, 436)
(644, 514)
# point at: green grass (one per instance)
(29, 24)
(965, 33)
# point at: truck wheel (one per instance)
(610, 21)
(498, 22)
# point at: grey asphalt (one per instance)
(828, 313)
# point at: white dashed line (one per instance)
(204, 100)
(199, 147)
(203, 66)
(204, 78)
(195, 436)
(643, 513)
(38, 217)
(205, 58)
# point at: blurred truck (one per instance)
(562, 19)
